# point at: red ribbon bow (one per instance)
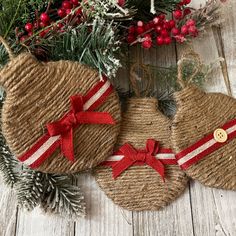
(131, 156)
(64, 127)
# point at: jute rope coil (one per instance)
(198, 114)
(140, 187)
(39, 93)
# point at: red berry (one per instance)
(60, 25)
(184, 30)
(151, 24)
(42, 24)
(42, 34)
(75, 2)
(121, 3)
(156, 20)
(172, 24)
(139, 30)
(164, 33)
(130, 38)
(36, 25)
(23, 38)
(78, 12)
(147, 27)
(167, 40)
(191, 22)
(29, 27)
(160, 40)
(166, 25)
(187, 11)
(131, 29)
(180, 38)
(175, 31)
(181, 3)
(61, 12)
(148, 37)
(193, 30)
(140, 23)
(66, 5)
(178, 14)
(162, 16)
(44, 17)
(30, 33)
(147, 44)
(68, 11)
(186, 2)
(158, 29)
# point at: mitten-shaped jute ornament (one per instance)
(204, 135)
(58, 117)
(142, 174)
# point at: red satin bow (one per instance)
(64, 127)
(131, 155)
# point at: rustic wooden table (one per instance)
(201, 211)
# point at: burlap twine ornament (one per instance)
(210, 154)
(39, 93)
(141, 187)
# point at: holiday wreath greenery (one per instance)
(94, 33)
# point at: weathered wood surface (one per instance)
(200, 211)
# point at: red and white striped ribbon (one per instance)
(166, 156)
(204, 146)
(47, 144)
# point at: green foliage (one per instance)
(30, 189)
(53, 193)
(10, 15)
(8, 164)
(95, 45)
(143, 7)
(62, 197)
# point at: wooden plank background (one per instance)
(201, 211)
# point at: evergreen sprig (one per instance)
(63, 198)
(93, 44)
(8, 165)
(55, 194)
(30, 189)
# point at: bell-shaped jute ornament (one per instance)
(204, 133)
(58, 117)
(142, 174)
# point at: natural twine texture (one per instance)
(198, 114)
(140, 187)
(39, 93)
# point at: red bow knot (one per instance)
(64, 126)
(131, 156)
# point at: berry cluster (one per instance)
(164, 31)
(44, 20)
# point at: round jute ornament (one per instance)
(39, 93)
(203, 135)
(140, 187)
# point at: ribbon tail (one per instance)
(121, 166)
(67, 145)
(95, 118)
(157, 166)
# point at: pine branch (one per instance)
(63, 198)
(30, 189)
(10, 12)
(8, 164)
(95, 45)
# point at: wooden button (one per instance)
(220, 135)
